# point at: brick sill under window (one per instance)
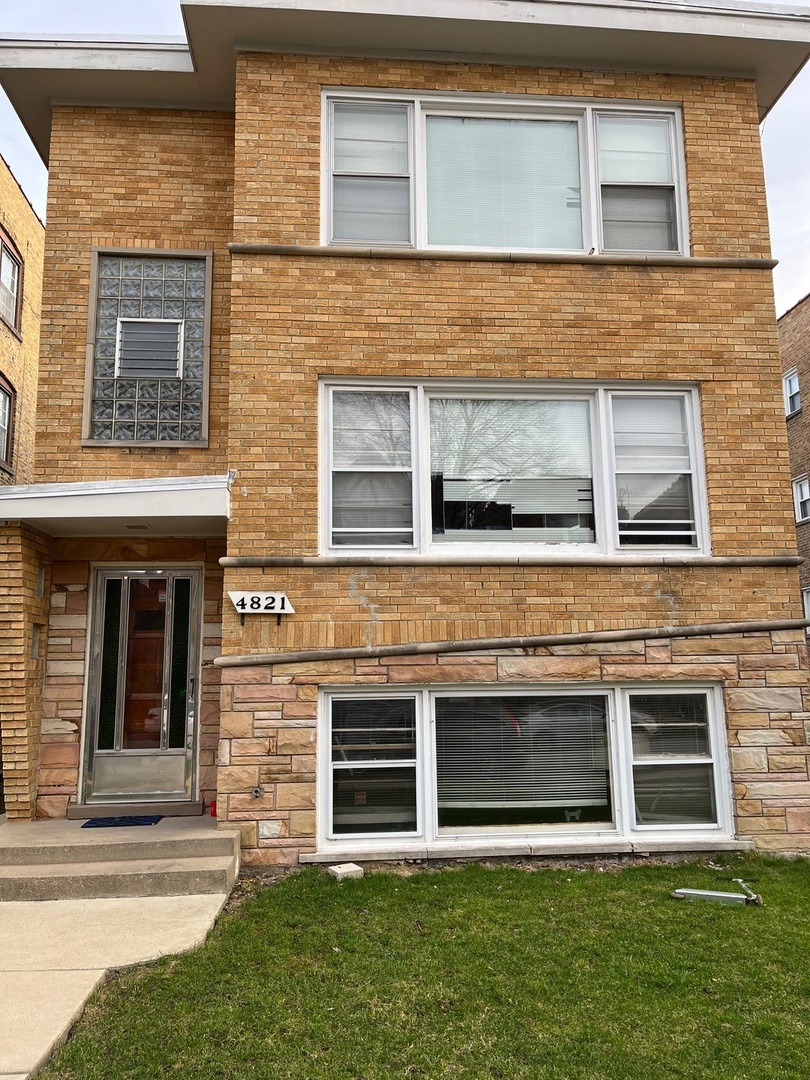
(15, 330)
(498, 849)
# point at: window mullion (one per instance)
(605, 472)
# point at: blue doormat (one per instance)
(117, 822)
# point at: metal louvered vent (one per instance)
(149, 348)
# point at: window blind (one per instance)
(503, 183)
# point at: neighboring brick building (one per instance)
(794, 341)
(22, 239)
(476, 364)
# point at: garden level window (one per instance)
(500, 174)
(148, 378)
(437, 468)
(447, 765)
(10, 281)
(790, 385)
(7, 398)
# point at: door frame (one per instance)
(99, 574)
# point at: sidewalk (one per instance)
(54, 953)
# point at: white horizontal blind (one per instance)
(372, 480)
(637, 182)
(5, 424)
(371, 173)
(673, 772)
(149, 349)
(801, 498)
(793, 399)
(653, 471)
(9, 286)
(545, 755)
(503, 183)
(515, 470)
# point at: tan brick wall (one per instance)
(269, 725)
(794, 341)
(65, 673)
(24, 553)
(139, 179)
(19, 352)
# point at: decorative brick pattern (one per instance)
(269, 725)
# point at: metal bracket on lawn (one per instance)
(747, 896)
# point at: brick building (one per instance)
(794, 341)
(21, 603)
(411, 471)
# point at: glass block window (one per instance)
(149, 352)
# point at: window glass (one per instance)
(801, 497)
(514, 470)
(503, 183)
(5, 426)
(149, 354)
(793, 401)
(9, 285)
(634, 150)
(521, 761)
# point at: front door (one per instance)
(142, 700)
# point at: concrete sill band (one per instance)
(509, 560)
(417, 853)
(441, 255)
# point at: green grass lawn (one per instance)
(472, 973)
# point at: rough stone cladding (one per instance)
(25, 557)
(141, 179)
(794, 340)
(65, 671)
(269, 725)
(19, 350)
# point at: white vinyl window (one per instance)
(500, 174)
(806, 605)
(801, 498)
(6, 415)
(432, 468)
(790, 386)
(9, 286)
(449, 765)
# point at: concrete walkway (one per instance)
(54, 953)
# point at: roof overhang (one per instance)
(765, 42)
(196, 506)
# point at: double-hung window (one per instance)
(502, 174)
(447, 764)
(10, 282)
(790, 387)
(438, 468)
(801, 498)
(147, 380)
(7, 397)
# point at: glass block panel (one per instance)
(174, 309)
(148, 391)
(147, 410)
(108, 308)
(153, 268)
(169, 410)
(132, 268)
(192, 391)
(170, 389)
(169, 432)
(193, 350)
(104, 388)
(105, 349)
(106, 327)
(125, 388)
(147, 432)
(195, 290)
(194, 329)
(192, 410)
(102, 410)
(152, 309)
(192, 370)
(125, 410)
(195, 269)
(101, 431)
(192, 432)
(174, 268)
(131, 309)
(124, 432)
(153, 288)
(109, 267)
(131, 287)
(195, 309)
(105, 369)
(109, 287)
(174, 289)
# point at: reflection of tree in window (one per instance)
(516, 467)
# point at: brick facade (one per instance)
(794, 341)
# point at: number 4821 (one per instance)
(262, 602)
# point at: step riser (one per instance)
(113, 851)
(94, 886)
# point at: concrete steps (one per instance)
(57, 860)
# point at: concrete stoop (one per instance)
(58, 860)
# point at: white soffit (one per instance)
(175, 506)
(769, 42)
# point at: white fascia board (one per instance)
(137, 54)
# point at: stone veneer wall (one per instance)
(65, 670)
(269, 725)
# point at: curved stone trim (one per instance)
(486, 644)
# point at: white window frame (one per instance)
(604, 484)
(806, 606)
(7, 428)
(801, 494)
(585, 113)
(7, 254)
(179, 323)
(791, 389)
(620, 768)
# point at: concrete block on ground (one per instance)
(345, 871)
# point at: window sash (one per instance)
(678, 528)
(425, 109)
(790, 386)
(801, 499)
(9, 286)
(645, 793)
(5, 425)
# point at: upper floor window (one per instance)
(7, 397)
(801, 498)
(10, 282)
(498, 174)
(148, 378)
(790, 386)
(435, 468)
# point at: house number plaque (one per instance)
(262, 603)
